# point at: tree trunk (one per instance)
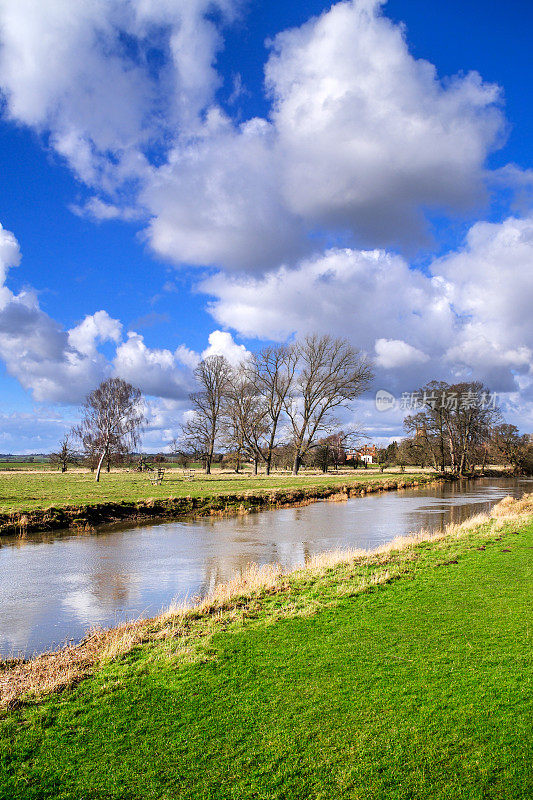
(208, 466)
(255, 465)
(452, 455)
(296, 464)
(99, 468)
(268, 463)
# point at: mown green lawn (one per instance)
(420, 688)
(25, 491)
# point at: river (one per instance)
(55, 586)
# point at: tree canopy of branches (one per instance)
(112, 421)
(330, 451)
(453, 424)
(271, 375)
(245, 424)
(64, 455)
(330, 373)
(200, 433)
(281, 396)
(514, 448)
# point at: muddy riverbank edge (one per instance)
(85, 517)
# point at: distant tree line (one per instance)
(277, 409)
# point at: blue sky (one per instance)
(156, 180)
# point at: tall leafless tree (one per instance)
(112, 420)
(272, 374)
(331, 373)
(201, 432)
(470, 422)
(428, 424)
(247, 423)
(453, 423)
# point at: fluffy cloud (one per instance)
(370, 136)
(108, 78)
(469, 318)
(36, 350)
(361, 139)
(156, 371)
(9, 254)
(39, 353)
(64, 365)
(394, 353)
(221, 344)
(96, 328)
(218, 200)
(490, 281)
(361, 294)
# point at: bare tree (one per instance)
(201, 432)
(471, 421)
(429, 426)
(330, 374)
(453, 425)
(246, 425)
(112, 420)
(65, 454)
(513, 448)
(272, 374)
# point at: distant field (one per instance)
(10, 466)
(30, 489)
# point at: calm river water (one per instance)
(53, 587)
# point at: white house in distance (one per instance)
(367, 453)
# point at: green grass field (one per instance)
(28, 466)
(421, 687)
(28, 490)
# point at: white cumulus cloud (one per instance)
(394, 353)
(361, 138)
(221, 344)
(468, 318)
(61, 365)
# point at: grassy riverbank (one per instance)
(406, 673)
(26, 491)
(47, 501)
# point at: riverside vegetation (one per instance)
(402, 673)
(50, 500)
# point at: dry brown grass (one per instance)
(52, 672)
